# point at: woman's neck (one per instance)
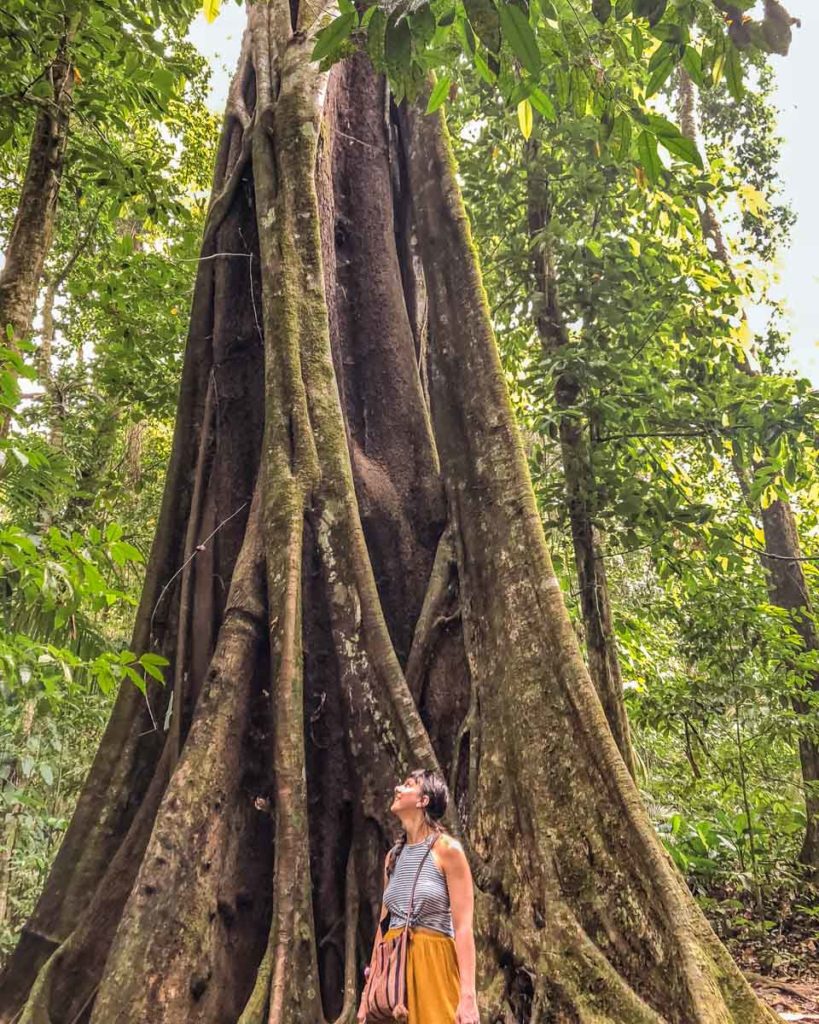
(417, 831)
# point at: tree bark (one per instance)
(33, 225)
(308, 492)
(782, 558)
(578, 475)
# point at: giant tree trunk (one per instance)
(782, 558)
(31, 232)
(348, 582)
(578, 473)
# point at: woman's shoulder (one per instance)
(449, 849)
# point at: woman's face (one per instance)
(408, 796)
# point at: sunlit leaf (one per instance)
(438, 94)
(210, 8)
(525, 118)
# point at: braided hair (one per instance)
(434, 787)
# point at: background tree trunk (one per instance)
(34, 221)
(318, 521)
(782, 558)
(578, 474)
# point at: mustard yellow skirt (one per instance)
(433, 979)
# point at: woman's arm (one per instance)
(462, 900)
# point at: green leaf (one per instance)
(518, 33)
(684, 148)
(151, 658)
(601, 9)
(525, 118)
(330, 38)
(620, 51)
(122, 552)
(692, 62)
(152, 664)
(561, 87)
(733, 72)
(438, 94)
(668, 32)
(397, 44)
(553, 39)
(486, 73)
(661, 55)
(485, 20)
(714, 58)
(620, 141)
(542, 104)
(637, 42)
(375, 37)
(422, 24)
(648, 157)
(622, 9)
(113, 531)
(580, 91)
(466, 35)
(660, 74)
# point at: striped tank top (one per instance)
(431, 908)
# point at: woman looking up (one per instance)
(441, 956)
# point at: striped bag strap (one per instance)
(417, 876)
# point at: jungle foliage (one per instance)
(572, 106)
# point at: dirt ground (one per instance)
(793, 1000)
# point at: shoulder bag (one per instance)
(385, 991)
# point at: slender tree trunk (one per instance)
(34, 221)
(57, 410)
(578, 474)
(788, 589)
(56, 405)
(782, 560)
(336, 519)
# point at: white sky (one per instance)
(797, 89)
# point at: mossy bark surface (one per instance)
(370, 590)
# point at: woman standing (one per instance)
(441, 957)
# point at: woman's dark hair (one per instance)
(433, 787)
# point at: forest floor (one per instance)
(792, 999)
(780, 957)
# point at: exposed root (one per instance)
(348, 1009)
(224, 193)
(432, 617)
(175, 736)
